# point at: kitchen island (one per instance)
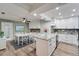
(45, 44)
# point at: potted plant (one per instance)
(1, 34)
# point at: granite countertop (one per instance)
(43, 36)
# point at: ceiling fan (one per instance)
(25, 20)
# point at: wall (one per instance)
(34, 24)
(78, 22)
(14, 23)
(46, 25)
(26, 28)
(78, 32)
(0, 25)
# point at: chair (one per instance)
(31, 39)
(25, 39)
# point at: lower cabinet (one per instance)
(51, 45)
(2, 43)
(68, 38)
(41, 47)
(45, 47)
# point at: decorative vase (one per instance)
(45, 33)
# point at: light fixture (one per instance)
(24, 20)
(72, 15)
(57, 8)
(74, 10)
(59, 13)
(2, 12)
(35, 14)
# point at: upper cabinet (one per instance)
(34, 24)
(69, 23)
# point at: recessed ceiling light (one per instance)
(74, 10)
(57, 8)
(59, 13)
(72, 15)
(35, 14)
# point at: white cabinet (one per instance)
(69, 23)
(68, 38)
(51, 45)
(2, 43)
(34, 24)
(41, 47)
(45, 47)
(60, 23)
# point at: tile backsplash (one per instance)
(64, 31)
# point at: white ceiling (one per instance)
(17, 11)
(65, 10)
(12, 12)
(30, 6)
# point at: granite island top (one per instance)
(43, 36)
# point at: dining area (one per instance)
(22, 39)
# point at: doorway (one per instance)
(7, 28)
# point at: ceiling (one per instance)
(30, 6)
(65, 10)
(17, 11)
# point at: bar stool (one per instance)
(25, 39)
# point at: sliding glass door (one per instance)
(7, 28)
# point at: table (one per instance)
(18, 35)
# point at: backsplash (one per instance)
(64, 31)
(35, 30)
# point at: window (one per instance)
(19, 28)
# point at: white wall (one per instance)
(46, 25)
(26, 27)
(34, 24)
(78, 22)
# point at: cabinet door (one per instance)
(72, 39)
(69, 23)
(41, 47)
(60, 23)
(51, 45)
(2, 43)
